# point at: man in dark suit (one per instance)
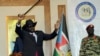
(32, 39)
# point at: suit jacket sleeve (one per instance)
(19, 31)
(50, 36)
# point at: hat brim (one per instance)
(27, 26)
(34, 24)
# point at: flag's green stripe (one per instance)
(55, 53)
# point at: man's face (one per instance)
(90, 31)
(31, 29)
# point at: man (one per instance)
(33, 40)
(17, 47)
(90, 45)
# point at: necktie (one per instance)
(36, 54)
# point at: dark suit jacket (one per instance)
(30, 46)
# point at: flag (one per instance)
(62, 44)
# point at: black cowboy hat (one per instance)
(29, 23)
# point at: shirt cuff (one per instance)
(18, 25)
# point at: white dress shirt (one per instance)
(34, 34)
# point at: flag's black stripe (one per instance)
(64, 26)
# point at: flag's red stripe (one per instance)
(63, 42)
